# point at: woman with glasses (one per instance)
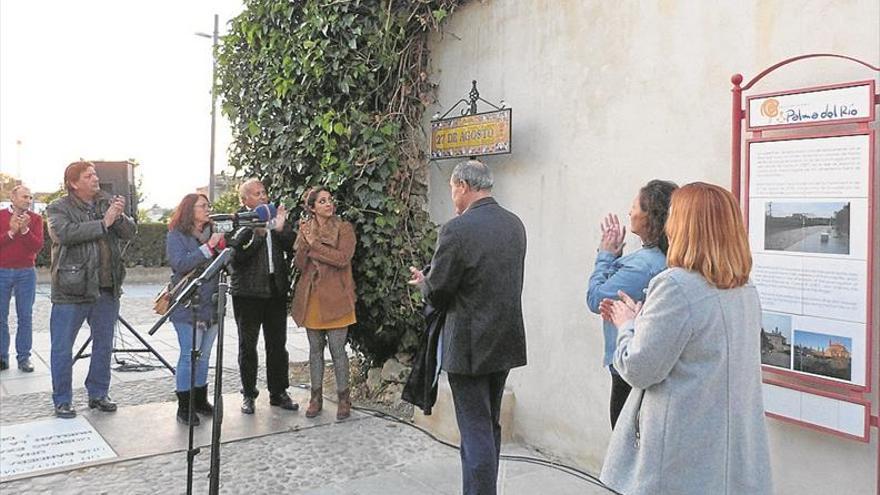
(324, 297)
(190, 246)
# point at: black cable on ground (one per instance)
(570, 470)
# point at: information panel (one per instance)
(842, 103)
(809, 221)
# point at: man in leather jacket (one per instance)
(86, 227)
(260, 282)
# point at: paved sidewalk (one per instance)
(270, 451)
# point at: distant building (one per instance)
(836, 351)
(777, 341)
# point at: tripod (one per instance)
(147, 347)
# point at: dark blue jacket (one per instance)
(477, 278)
(185, 253)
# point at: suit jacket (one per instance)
(476, 276)
(420, 389)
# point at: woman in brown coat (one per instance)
(323, 300)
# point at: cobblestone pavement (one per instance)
(288, 462)
(363, 455)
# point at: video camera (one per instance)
(261, 216)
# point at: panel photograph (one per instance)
(807, 227)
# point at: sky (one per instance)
(110, 80)
(820, 340)
(821, 209)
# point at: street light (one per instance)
(213, 102)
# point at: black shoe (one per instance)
(247, 405)
(65, 411)
(183, 410)
(283, 401)
(26, 366)
(102, 404)
(201, 401)
(3, 365)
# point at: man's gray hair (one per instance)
(17, 188)
(475, 174)
(245, 187)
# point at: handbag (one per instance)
(162, 301)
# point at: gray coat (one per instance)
(75, 232)
(694, 422)
(476, 276)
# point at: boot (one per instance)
(316, 402)
(201, 403)
(183, 409)
(343, 408)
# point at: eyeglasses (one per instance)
(206, 206)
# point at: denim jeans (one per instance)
(64, 324)
(22, 282)
(204, 343)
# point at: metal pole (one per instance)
(213, 106)
(736, 136)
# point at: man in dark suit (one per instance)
(476, 276)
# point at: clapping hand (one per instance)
(280, 218)
(619, 311)
(14, 225)
(24, 222)
(117, 206)
(612, 235)
(306, 231)
(418, 277)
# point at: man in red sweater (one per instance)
(21, 238)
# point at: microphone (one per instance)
(266, 212)
(261, 216)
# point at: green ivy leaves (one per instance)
(331, 92)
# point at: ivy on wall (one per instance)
(332, 92)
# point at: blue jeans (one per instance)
(64, 324)
(204, 343)
(23, 283)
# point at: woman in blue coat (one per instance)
(191, 245)
(614, 272)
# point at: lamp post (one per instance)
(214, 37)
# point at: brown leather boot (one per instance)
(343, 408)
(316, 403)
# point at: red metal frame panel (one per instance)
(814, 89)
(865, 437)
(870, 256)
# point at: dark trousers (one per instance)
(477, 401)
(250, 314)
(619, 392)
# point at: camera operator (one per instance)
(259, 285)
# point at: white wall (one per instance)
(606, 96)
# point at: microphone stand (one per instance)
(191, 293)
(194, 353)
(217, 420)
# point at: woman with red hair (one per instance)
(190, 246)
(694, 422)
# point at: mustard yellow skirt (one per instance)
(314, 322)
